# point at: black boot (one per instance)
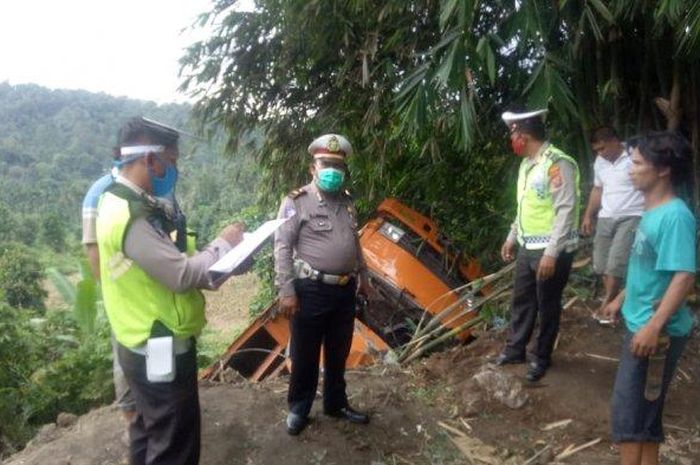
(349, 414)
(296, 423)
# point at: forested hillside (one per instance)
(55, 143)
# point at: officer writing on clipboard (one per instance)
(150, 288)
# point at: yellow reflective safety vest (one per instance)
(535, 218)
(133, 299)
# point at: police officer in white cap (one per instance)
(546, 231)
(319, 270)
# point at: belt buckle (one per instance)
(344, 279)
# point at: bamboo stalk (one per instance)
(451, 429)
(569, 451)
(474, 286)
(538, 454)
(477, 304)
(421, 350)
(420, 338)
(602, 357)
(474, 307)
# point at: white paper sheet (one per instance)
(252, 242)
(160, 363)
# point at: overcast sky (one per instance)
(121, 47)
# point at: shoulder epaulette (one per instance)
(552, 154)
(296, 193)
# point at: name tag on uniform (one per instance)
(160, 360)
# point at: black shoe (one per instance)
(347, 413)
(536, 372)
(296, 423)
(505, 359)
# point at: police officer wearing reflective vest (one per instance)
(150, 287)
(546, 232)
(319, 270)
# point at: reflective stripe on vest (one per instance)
(133, 299)
(535, 217)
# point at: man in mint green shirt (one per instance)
(660, 275)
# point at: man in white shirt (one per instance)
(618, 206)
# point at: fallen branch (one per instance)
(453, 332)
(451, 429)
(466, 425)
(556, 424)
(404, 460)
(685, 375)
(532, 459)
(467, 291)
(571, 302)
(570, 450)
(678, 428)
(602, 357)
(435, 326)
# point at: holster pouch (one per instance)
(160, 354)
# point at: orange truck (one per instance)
(414, 270)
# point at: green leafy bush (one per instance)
(21, 275)
(47, 366)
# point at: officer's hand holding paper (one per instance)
(233, 233)
(238, 259)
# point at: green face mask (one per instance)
(330, 179)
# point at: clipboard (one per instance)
(229, 264)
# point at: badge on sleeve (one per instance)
(555, 179)
(289, 210)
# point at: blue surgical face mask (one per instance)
(164, 185)
(330, 179)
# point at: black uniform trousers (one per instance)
(326, 316)
(533, 298)
(166, 429)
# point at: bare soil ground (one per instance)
(243, 422)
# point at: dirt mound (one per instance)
(433, 412)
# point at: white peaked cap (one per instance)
(509, 117)
(331, 146)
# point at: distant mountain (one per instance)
(55, 143)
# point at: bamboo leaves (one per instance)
(484, 50)
(446, 12)
(452, 65)
(688, 34)
(602, 10)
(548, 85)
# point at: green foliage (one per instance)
(53, 231)
(87, 299)
(379, 72)
(419, 87)
(79, 376)
(62, 285)
(21, 277)
(16, 361)
(47, 366)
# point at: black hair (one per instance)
(668, 149)
(604, 134)
(136, 129)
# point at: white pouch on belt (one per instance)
(160, 359)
